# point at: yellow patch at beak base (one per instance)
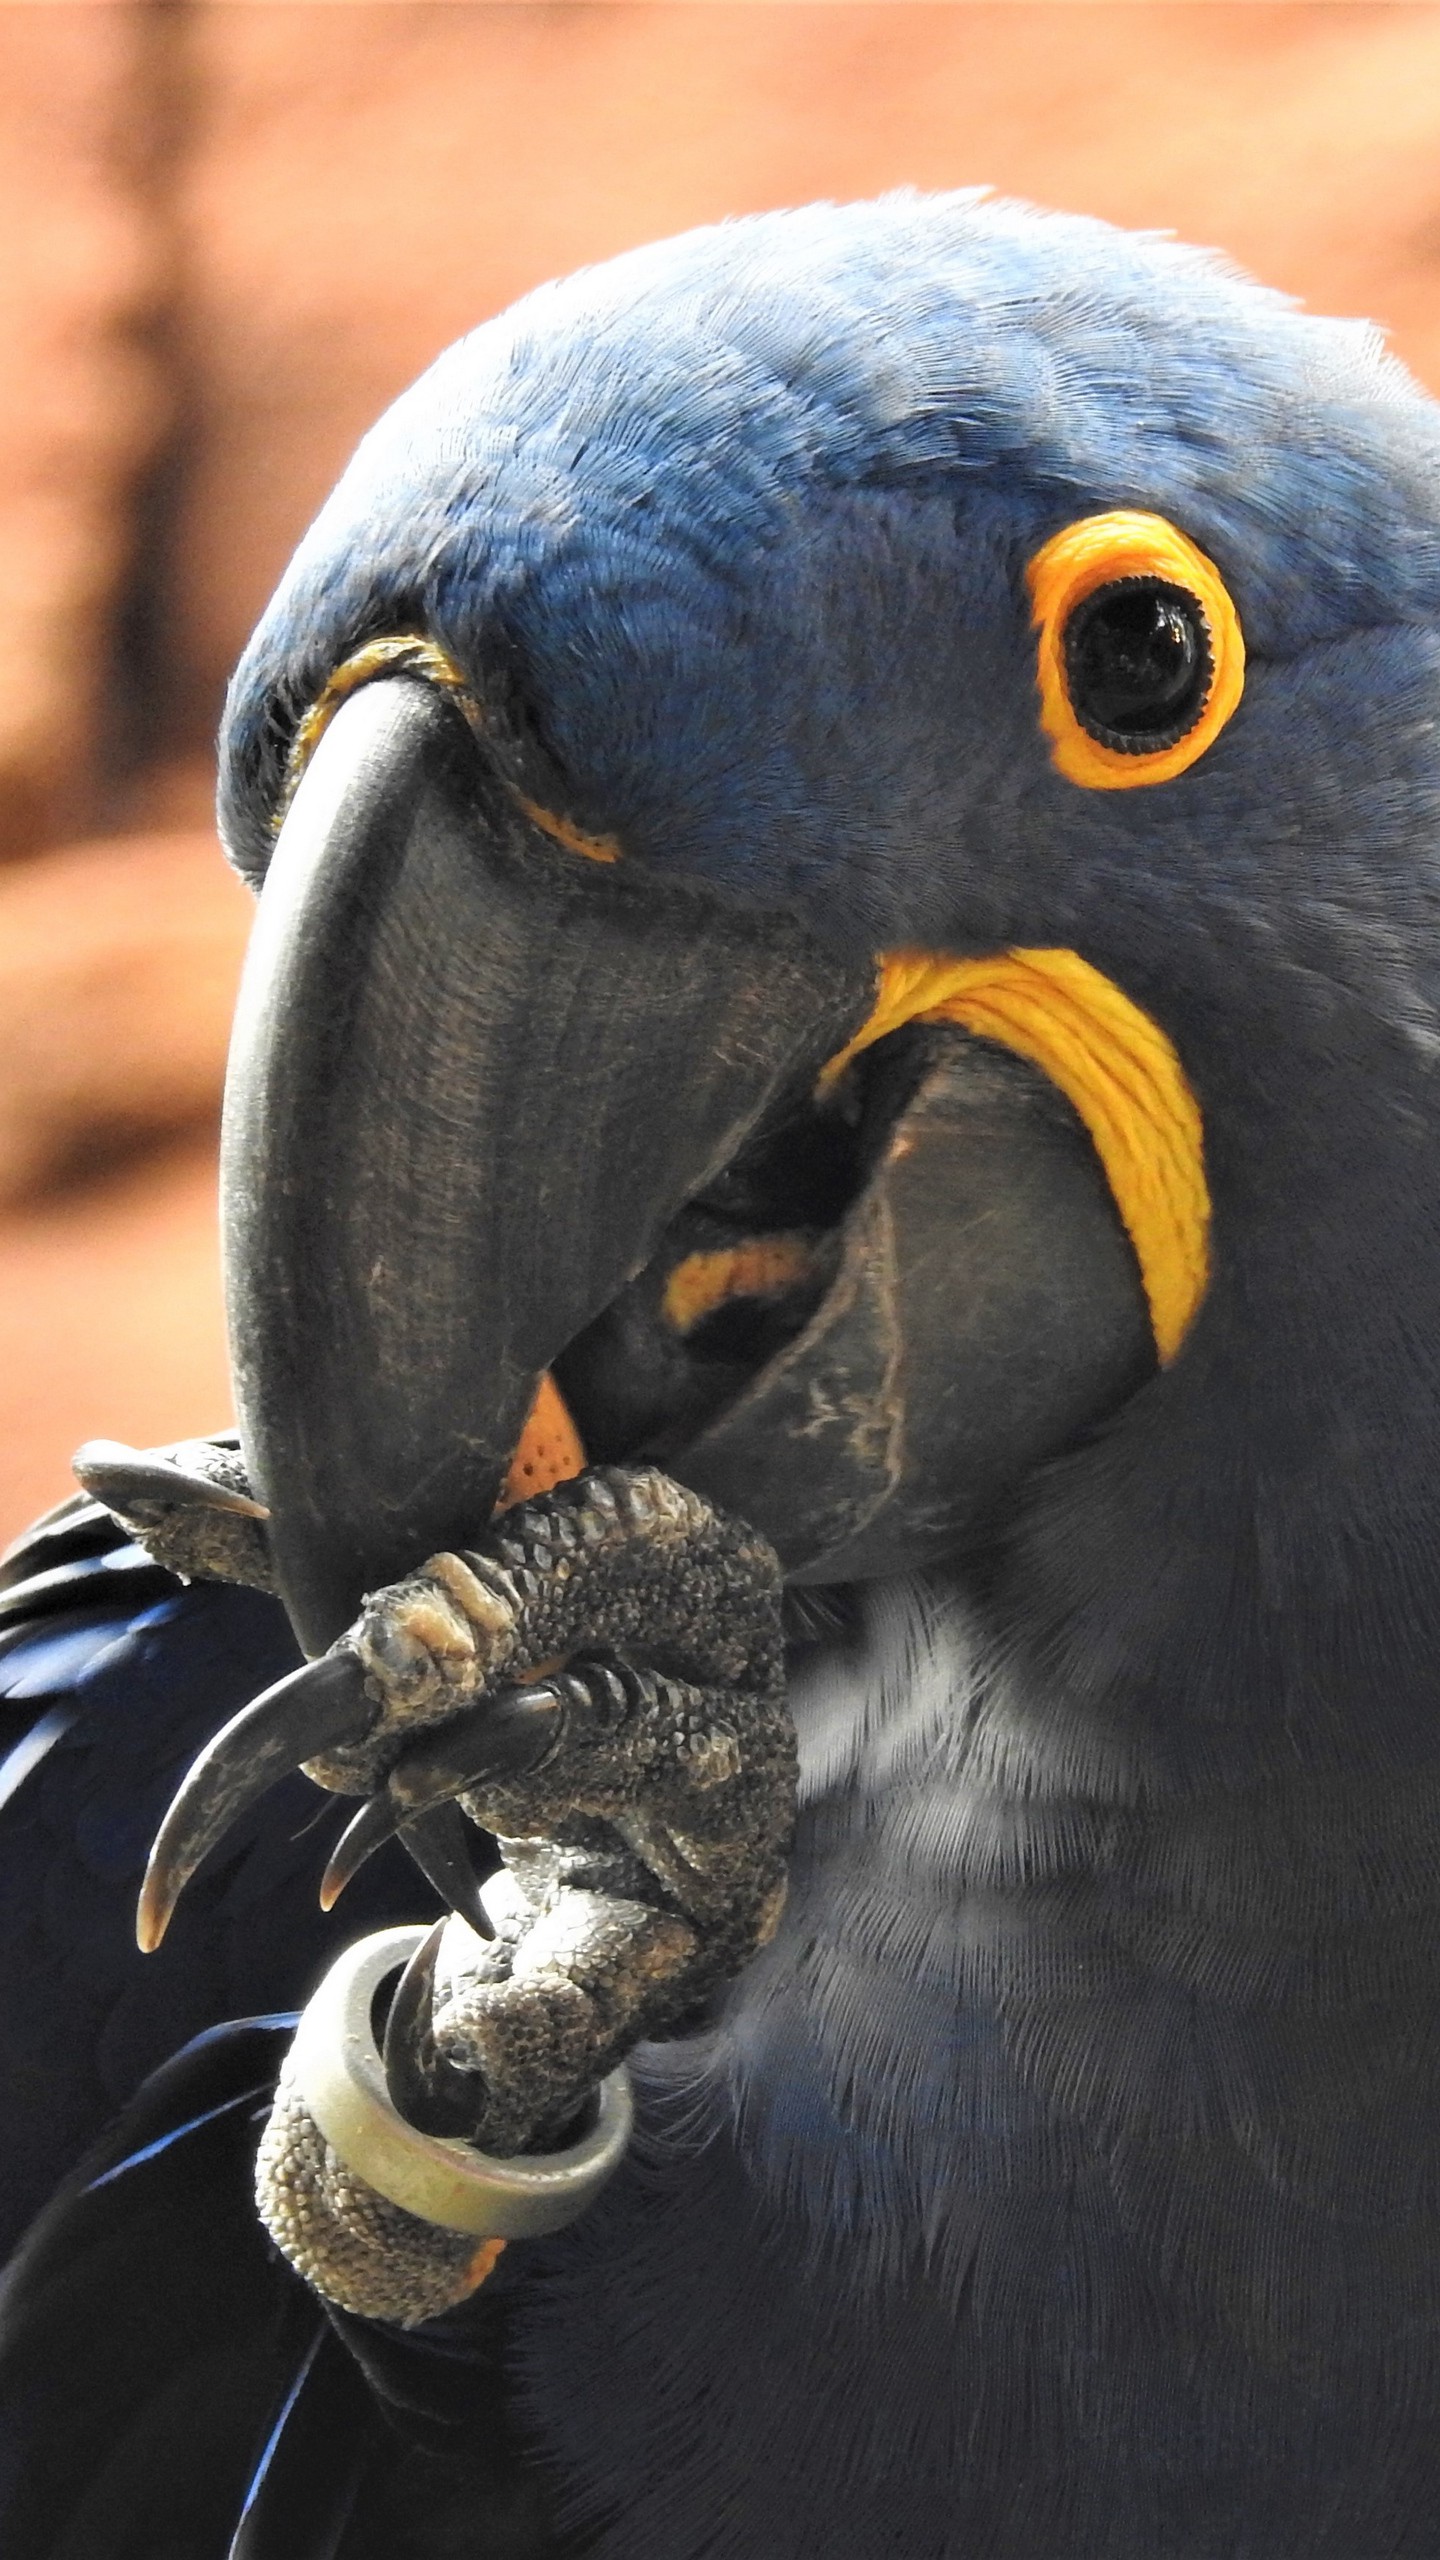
(1112, 1063)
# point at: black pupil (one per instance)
(1137, 658)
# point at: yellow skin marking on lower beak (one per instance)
(763, 1267)
(1114, 1065)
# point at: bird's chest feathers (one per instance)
(1058, 2129)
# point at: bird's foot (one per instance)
(385, 2220)
(190, 1506)
(599, 1684)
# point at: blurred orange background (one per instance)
(232, 232)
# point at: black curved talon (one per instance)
(507, 1735)
(191, 1507)
(312, 1710)
(439, 1842)
(377, 1821)
(133, 1482)
(429, 2092)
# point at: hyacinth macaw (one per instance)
(845, 1018)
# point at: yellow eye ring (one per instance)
(1129, 554)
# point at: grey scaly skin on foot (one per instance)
(356, 2248)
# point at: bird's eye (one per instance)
(1138, 664)
(1141, 658)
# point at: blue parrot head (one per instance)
(720, 582)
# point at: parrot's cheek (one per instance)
(498, 1112)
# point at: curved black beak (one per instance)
(473, 1075)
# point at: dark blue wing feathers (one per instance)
(112, 1676)
(171, 2391)
(151, 2342)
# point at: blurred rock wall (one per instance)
(82, 397)
(232, 232)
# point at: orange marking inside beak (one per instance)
(549, 1450)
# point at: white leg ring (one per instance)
(336, 2068)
